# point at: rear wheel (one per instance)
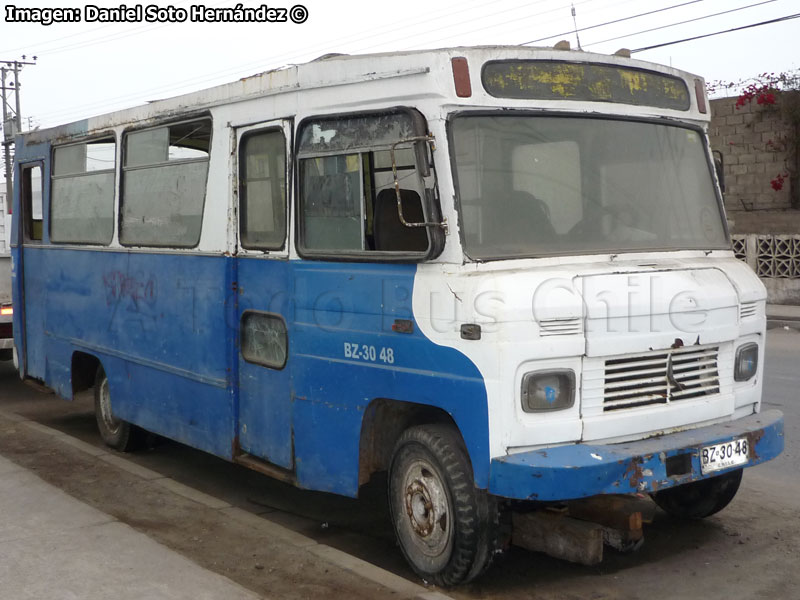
(115, 432)
(700, 499)
(446, 527)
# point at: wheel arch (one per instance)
(83, 371)
(384, 421)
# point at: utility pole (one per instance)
(12, 115)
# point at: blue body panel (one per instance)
(165, 327)
(581, 470)
(356, 304)
(155, 321)
(264, 395)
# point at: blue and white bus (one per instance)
(497, 273)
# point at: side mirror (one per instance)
(719, 167)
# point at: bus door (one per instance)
(30, 287)
(265, 402)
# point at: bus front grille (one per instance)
(660, 377)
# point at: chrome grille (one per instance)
(660, 377)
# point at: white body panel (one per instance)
(517, 302)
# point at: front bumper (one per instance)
(581, 470)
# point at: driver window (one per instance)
(348, 201)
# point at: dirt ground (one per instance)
(204, 535)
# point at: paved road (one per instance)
(747, 551)
(782, 391)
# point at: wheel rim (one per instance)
(427, 508)
(109, 421)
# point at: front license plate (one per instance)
(723, 456)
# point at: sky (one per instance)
(89, 68)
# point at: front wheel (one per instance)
(116, 433)
(444, 524)
(700, 499)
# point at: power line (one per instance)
(495, 25)
(644, 14)
(237, 70)
(724, 12)
(699, 37)
(42, 46)
(262, 64)
(283, 59)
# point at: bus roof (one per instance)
(431, 70)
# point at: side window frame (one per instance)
(123, 169)
(424, 171)
(109, 136)
(241, 187)
(27, 221)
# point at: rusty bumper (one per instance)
(581, 470)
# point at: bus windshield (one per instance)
(532, 185)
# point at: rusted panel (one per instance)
(266, 468)
(559, 536)
(584, 470)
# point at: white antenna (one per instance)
(575, 22)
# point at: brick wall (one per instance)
(743, 136)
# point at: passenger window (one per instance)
(262, 190)
(32, 202)
(164, 185)
(348, 201)
(82, 194)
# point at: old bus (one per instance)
(497, 273)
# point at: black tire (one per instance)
(700, 499)
(116, 433)
(447, 528)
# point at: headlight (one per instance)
(746, 362)
(548, 390)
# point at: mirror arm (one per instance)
(421, 138)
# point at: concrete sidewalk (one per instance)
(54, 546)
(783, 315)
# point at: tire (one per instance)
(699, 499)
(446, 527)
(116, 433)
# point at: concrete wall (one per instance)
(750, 141)
(764, 223)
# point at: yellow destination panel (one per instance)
(558, 80)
